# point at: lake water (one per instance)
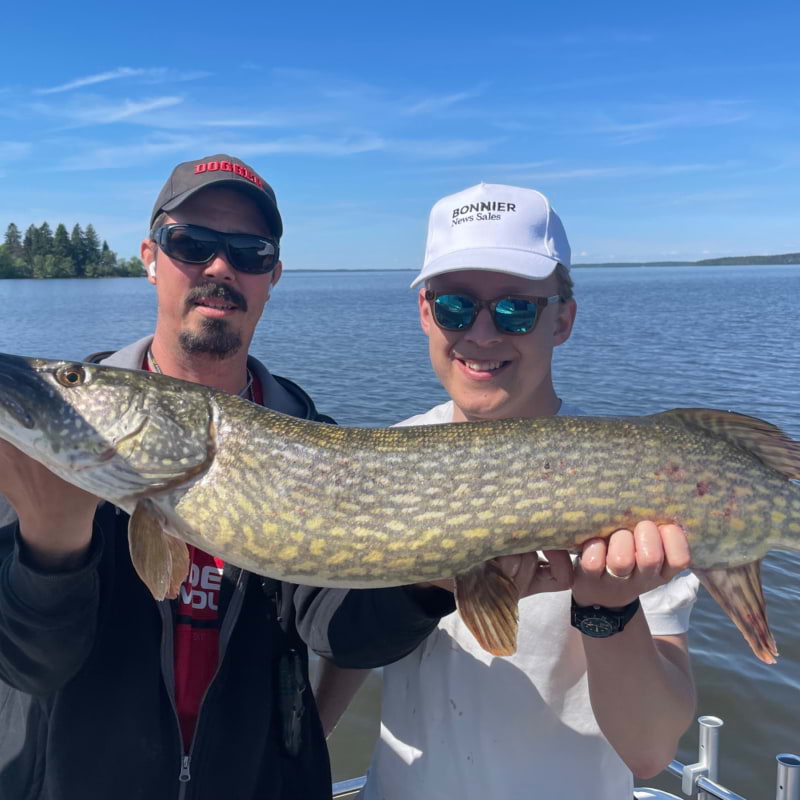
(646, 339)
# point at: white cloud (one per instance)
(118, 157)
(126, 109)
(433, 104)
(628, 171)
(90, 80)
(94, 110)
(11, 151)
(312, 145)
(672, 115)
(439, 148)
(149, 75)
(267, 119)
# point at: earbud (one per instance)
(151, 270)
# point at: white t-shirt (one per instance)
(460, 724)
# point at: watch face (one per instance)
(597, 627)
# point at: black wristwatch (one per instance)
(600, 622)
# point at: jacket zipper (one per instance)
(168, 668)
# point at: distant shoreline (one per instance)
(787, 259)
(631, 264)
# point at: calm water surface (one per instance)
(646, 339)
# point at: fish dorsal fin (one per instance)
(768, 443)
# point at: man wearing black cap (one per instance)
(106, 693)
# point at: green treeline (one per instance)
(783, 258)
(40, 253)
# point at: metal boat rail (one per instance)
(698, 780)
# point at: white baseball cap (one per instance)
(495, 227)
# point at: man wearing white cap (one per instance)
(600, 686)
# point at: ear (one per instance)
(564, 321)
(425, 320)
(148, 252)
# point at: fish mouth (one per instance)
(17, 412)
(18, 380)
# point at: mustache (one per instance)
(219, 290)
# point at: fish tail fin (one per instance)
(768, 443)
(161, 561)
(739, 594)
(488, 601)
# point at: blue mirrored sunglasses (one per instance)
(513, 314)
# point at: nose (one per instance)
(483, 331)
(219, 268)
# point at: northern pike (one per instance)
(328, 505)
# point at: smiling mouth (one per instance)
(482, 366)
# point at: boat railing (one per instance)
(698, 780)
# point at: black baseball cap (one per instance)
(190, 177)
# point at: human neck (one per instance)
(228, 374)
(544, 404)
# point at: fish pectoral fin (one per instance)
(768, 443)
(738, 592)
(161, 561)
(488, 600)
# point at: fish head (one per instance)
(120, 434)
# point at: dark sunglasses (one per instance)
(514, 314)
(194, 244)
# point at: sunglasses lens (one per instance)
(454, 312)
(192, 245)
(515, 315)
(251, 253)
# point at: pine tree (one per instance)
(62, 250)
(45, 239)
(6, 263)
(78, 251)
(108, 260)
(91, 249)
(30, 245)
(13, 241)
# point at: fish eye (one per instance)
(71, 375)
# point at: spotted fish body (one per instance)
(356, 507)
(360, 507)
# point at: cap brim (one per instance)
(520, 263)
(260, 197)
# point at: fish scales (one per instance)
(357, 507)
(369, 507)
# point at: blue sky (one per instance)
(658, 131)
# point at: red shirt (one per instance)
(197, 627)
(196, 637)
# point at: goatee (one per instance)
(215, 338)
